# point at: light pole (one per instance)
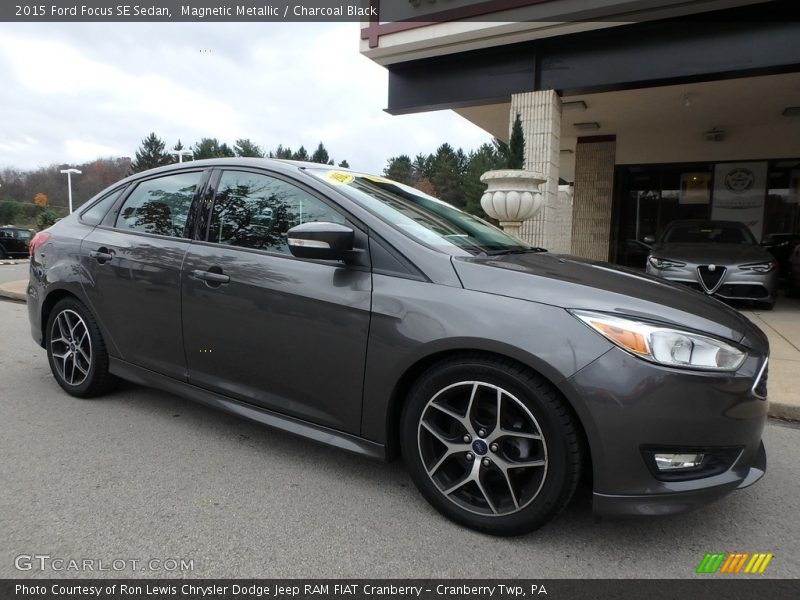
(180, 154)
(69, 173)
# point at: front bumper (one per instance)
(627, 405)
(678, 502)
(735, 283)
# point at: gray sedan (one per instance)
(719, 258)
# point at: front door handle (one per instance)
(211, 277)
(102, 255)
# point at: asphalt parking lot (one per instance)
(141, 474)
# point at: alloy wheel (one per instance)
(482, 448)
(71, 347)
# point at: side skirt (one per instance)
(317, 433)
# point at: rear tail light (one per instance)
(39, 239)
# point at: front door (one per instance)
(134, 262)
(264, 327)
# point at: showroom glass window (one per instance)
(160, 206)
(255, 211)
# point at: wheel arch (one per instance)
(403, 386)
(51, 299)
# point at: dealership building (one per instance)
(635, 112)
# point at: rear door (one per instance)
(134, 260)
(264, 327)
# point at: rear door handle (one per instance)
(211, 276)
(102, 255)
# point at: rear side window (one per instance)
(255, 211)
(160, 206)
(95, 213)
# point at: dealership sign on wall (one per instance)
(739, 192)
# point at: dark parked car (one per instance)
(367, 315)
(781, 246)
(14, 242)
(718, 258)
(793, 274)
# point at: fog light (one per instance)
(674, 462)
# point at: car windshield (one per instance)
(422, 217)
(708, 233)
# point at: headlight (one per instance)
(763, 267)
(671, 347)
(663, 263)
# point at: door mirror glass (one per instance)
(321, 240)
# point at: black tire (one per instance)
(3, 254)
(560, 446)
(97, 379)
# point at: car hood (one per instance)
(718, 254)
(571, 282)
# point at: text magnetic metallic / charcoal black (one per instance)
(363, 314)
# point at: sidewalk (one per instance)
(782, 326)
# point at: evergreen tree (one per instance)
(301, 154)
(244, 147)
(281, 152)
(150, 154)
(320, 155)
(479, 161)
(211, 148)
(344, 164)
(446, 177)
(422, 167)
(513, 152)
(400, 169)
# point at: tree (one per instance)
(150, 154)
(46, 218)
(400, 169)
(344, 164)
(244, 147)
(40, 199)
(281, 152)
(513, 153)
(301, 154)
(321, 155)
(446, 177)
(422, 167)
(211, 148)
(9, 211)
(479, 161)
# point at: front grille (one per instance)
(710, 279)
(760, 386)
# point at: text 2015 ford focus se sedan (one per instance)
(361, 313)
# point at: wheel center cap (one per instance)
(480, 447)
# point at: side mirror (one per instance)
(321, 240)
(649, 239)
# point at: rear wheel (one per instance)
(490, 444)
(76, 350)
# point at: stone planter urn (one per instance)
(511, 197)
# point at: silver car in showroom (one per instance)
(718, 258)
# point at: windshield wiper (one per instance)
(514, 251)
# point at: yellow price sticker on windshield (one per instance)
(339, 177)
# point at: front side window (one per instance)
(708, 233)
(160, 206)
(255, 211)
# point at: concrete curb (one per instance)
(782, 410)
(10, 291)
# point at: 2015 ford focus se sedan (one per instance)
(364, 314)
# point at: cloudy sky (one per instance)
(70, 93)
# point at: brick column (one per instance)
(540, 113)
(593, 196)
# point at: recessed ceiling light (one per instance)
(573, 105)
(587, 126)
(791, 111)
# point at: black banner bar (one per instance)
(705, 588)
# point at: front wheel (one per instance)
(491, 444)
(76, 350)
